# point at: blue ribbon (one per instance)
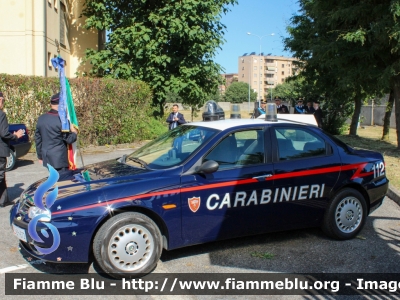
(59, 63)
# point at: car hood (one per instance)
(98, 175)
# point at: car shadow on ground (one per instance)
(15, 191)
(302, 251)
(22, 163)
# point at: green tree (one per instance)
(168, 44)
(238, 92)
(375, 27)
(340, 71)
(292, 89)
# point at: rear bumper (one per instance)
(22, 149)
(377, 191)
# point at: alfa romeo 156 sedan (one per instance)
(201, 182)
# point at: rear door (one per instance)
(306, 169)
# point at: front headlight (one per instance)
(36, 211)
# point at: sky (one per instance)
(259, 17)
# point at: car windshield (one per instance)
(171, 148)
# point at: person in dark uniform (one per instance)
(260, 110)
(281, 108)
(299, 108)
(318, 114)
(5, 137)
(309, 108)
(51, 142)
(175, 118)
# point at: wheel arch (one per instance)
(358, 188)
(147, 212)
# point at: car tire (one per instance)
(128, 245)
(346, 215)
(11, 161)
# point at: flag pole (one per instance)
(67, 113)
(78, 146)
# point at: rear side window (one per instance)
(294, 143)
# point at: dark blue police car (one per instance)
(201, 182)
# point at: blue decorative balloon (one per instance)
(38, 201)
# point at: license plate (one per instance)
(20, 233)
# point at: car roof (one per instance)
(230, 123)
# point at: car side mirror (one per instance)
(208, 167)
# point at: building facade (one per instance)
(32, 32)
(264, 72)
(228, 79)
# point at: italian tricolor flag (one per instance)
(71, 114)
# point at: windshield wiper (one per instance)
(123, 159)
(139, 161)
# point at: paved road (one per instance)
(376, 250)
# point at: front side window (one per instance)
(294, 143)
(241, 148)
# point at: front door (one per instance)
(234, 200)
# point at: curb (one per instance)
(393, 194)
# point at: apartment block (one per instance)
(228, 79)
(32, 32)
(263, 72)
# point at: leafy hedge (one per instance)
(109, 111)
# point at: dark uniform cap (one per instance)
(317, 102)
(55, 99)
(263, 102)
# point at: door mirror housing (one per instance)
(208, 167)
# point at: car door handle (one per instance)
(263, 177)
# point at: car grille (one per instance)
(26, 201)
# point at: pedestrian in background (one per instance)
(318, 114)
(309, 108)
(51, 142)
(5, 137)
(281, 108)
(260, 110)
(175, 118)
(299, 108)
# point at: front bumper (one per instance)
(73, 246)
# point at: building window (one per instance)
(49, 61)
(255, 75)
(270, 60)
(63, 22)
(242, 75)
(255, 60)
(55, 69)
(255, 68)
(242, 60)
(283, 79)
(242, 68)
(283, 72)
(255, 82)
(283, 65)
